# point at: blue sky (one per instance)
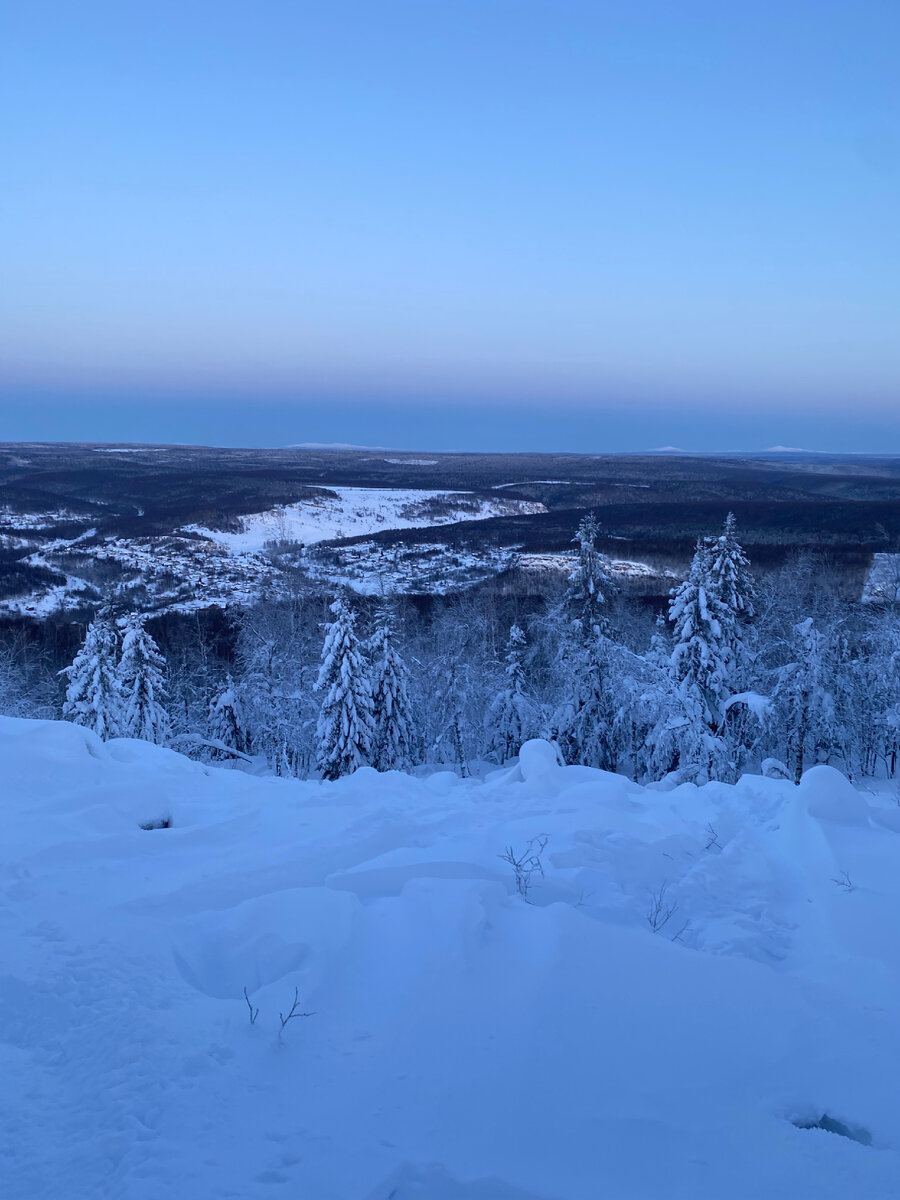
(452, 224)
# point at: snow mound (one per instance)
(696, 996)
(830, 796)
(538, 759)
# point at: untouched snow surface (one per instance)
(358, 511)
(466, 1044)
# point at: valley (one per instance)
(180, 529)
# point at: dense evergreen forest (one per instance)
(740, 671)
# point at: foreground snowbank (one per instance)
(465, 1044)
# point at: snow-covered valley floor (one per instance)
(466, 1043)
(354, 511)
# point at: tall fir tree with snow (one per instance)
(729, 571)
(512, 717)
(589, 584)
(730, 577)
(142, 676)
(702, 637)
(345, 729)
(227, 723)
(393, 737)
(659, 653)
(94, 693)
(678, 738)
(584, 720)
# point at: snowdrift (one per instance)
(697, 998)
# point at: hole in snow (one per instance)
(855, 1133)
(159, 823)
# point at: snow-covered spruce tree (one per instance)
(142, 677)
(659, 653)
(585, 718)
(393, 740)
(730, 577)
(679, 739)
(589, 584)
(584, 721)
(94, 692)
(702, 637)
(227, 724)
(344, 730)
(729, 571)
(512, 718)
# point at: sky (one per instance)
(452, 224)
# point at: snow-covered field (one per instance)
(359, 511)
(467, 1043)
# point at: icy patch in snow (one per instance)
(358, 511)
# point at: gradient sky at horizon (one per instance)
(457, 224)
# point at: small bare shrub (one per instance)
(526, 866)
(660, 909)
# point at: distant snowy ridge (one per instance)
(333, 446)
